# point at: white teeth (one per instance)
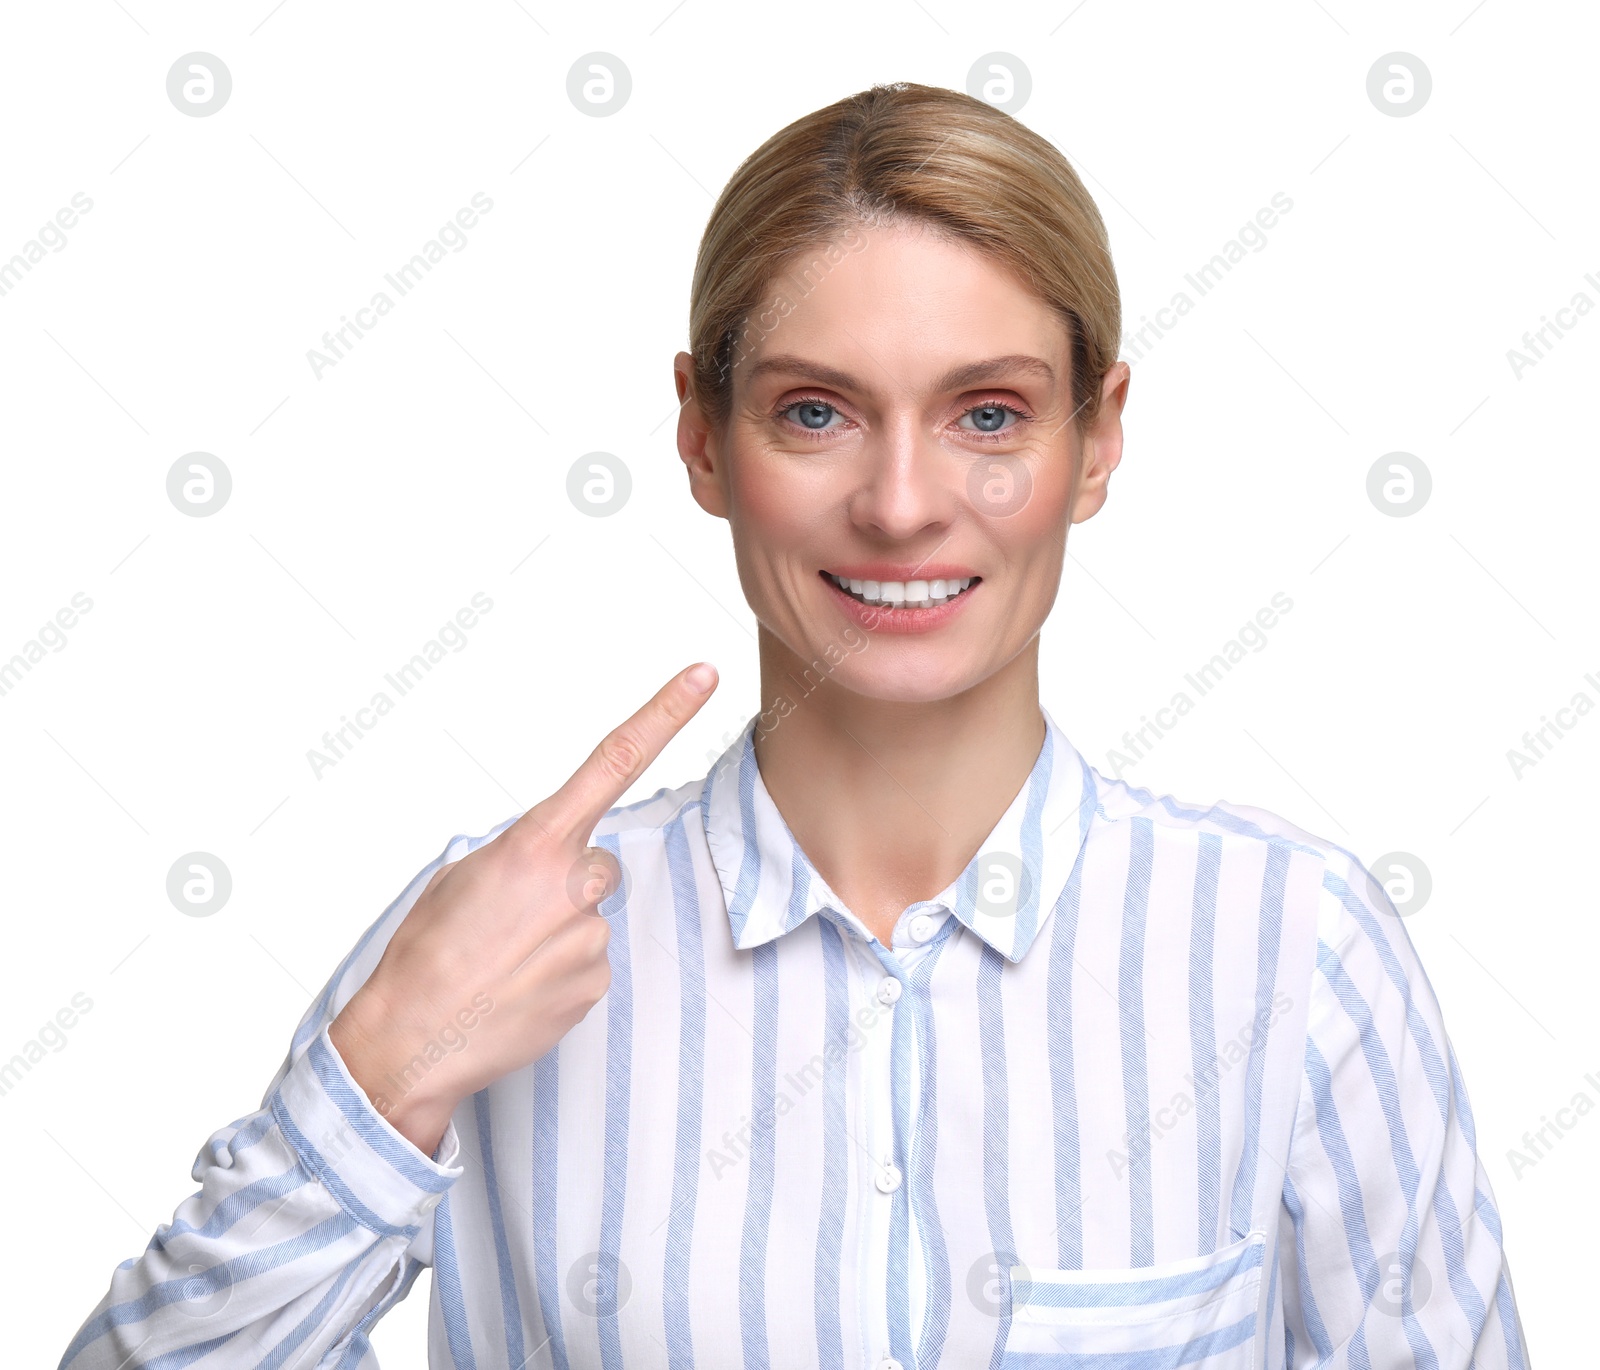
(915, 594)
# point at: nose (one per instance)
(907, 484)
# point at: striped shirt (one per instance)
(1147, 1085)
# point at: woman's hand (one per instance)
(502, 954)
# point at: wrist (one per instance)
(392, 1085)
(420, 1122)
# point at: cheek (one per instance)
(778, 500)
(759, 498)
(1038, 526)
(772, 518)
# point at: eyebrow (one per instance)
(971, 373)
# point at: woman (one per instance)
(922, 1043)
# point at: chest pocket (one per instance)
(1197, 1314)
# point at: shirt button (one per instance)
(888, 1179)
(888, 989)
(921, 927)
(888, 1363)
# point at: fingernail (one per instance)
(701, 678)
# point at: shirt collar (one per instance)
(771, 886)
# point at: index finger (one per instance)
(622, 756)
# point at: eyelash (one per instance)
(817, 435)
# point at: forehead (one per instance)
(897, 307)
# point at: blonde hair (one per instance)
(902, 151)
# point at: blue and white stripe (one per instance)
(1148, 1085)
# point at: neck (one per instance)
(891, 800)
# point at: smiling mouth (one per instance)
(904, 594)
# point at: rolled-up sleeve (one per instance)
(1393, 1247)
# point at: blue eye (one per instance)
(990, 418)
(814, 414)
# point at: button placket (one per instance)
(876, 1154)
(888, 1177)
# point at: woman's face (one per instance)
(905, 424)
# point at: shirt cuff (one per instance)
(379, 1176)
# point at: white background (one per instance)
(430, 463)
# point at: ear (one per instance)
(697, 442)
(1102, 444)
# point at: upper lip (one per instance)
(902, 571)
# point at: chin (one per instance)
(906, 681)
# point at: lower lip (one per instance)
(885, 619)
